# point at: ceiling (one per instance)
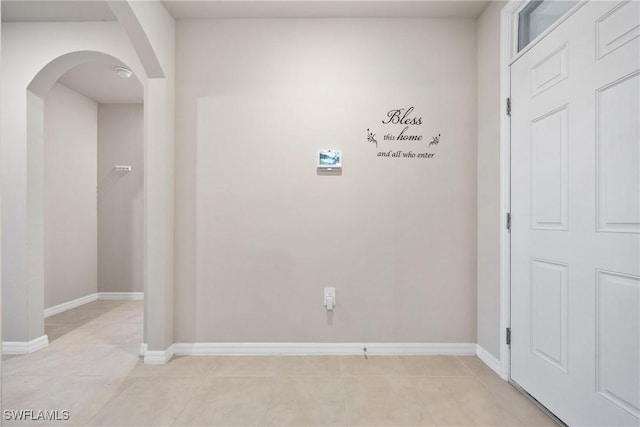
(100, 83)
(189, 9)
(98, 10)
(57, 11)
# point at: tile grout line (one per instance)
(196, 394)
(413, 380)
(344, 391)
(262, 420)
(491, 391)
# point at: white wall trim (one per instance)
(143, 349)
(24, 347)
(506, 42)
(120, 295)
(60, 308)
(106, 296)
(489, 360)
(322, 349)
(158, 357)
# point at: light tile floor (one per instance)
(92, 369)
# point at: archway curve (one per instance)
(39, 86)
(50, 73)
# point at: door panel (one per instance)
(549, 71)
(575, 261)
(617, 27)
(549, 312)
(618, 169)
(618, 311)
(549, 171)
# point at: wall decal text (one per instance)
(403, 127)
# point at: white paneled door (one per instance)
(575, 195)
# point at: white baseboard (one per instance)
(306, 349)
(143, 349)
(155, 357)
(489, 360)
(120, 295)
(60, 308)
(322, 349)
(24, 347)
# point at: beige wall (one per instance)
(102, 240)
(260, 233)
(489, 109)
(120, 198)
(70, 218)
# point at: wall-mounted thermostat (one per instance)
(329, 159)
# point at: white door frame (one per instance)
(508, 54)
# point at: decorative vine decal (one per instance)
(371, 137)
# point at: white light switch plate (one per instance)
(329, 298)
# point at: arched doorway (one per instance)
(93, 204)
(34, 56)
(36, 92)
